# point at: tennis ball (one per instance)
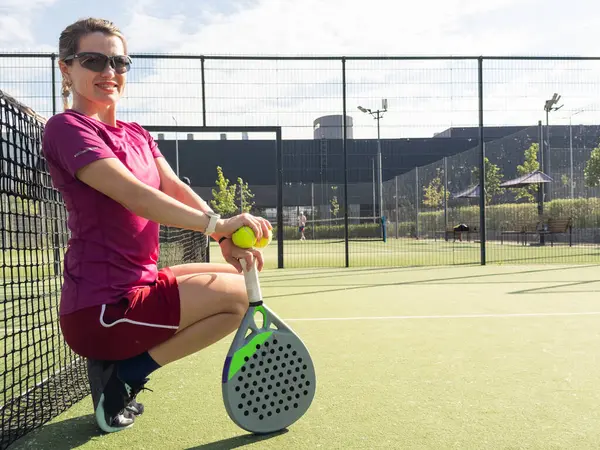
(244, 237)
(264, 241)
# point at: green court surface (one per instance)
(466, 357)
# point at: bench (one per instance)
(550, 228)
(556, 226)
(521, 229)
(454, 232)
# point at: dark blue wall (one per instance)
(255, 162)
(304, 162)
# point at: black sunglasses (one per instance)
(96, 62)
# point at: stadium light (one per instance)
(378, 115)
(549, 106)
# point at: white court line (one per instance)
(449, 316)
(461, 316)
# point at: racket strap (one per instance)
(255, 304)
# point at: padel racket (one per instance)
(268, 378)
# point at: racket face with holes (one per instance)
(268, 378)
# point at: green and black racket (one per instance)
(268, 378)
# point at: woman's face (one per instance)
(101, 88)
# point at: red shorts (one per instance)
(137, 323)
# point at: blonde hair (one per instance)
(68, 43)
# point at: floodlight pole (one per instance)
(571, 152)
(379, 164)
(374, 195)
(378, 115)
(549, 106)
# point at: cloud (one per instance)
(425, 96)
(16, 22)
(312, 27)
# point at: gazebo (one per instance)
(536, 177)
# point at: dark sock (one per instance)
(136, 369)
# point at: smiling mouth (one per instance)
(108, 87)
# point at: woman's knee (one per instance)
(238, 301)
(205, 295)
(196, 268)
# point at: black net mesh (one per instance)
(40, 377)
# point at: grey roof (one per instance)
(472, 192)
(536, 177)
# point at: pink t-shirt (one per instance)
(111, 251)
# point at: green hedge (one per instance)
(585, 213)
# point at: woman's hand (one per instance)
(259, 226)
(233, 254)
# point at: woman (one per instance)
(116, 305)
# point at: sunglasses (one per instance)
(96, 62)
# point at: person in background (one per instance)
(302, 225)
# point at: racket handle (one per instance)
(252, 283)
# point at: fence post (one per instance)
(482, 233)
(397, 212)
(203, 81)
(417, 202)
(203, 91)
(345, 150)
(445, 196)
(53, 77)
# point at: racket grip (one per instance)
(251, 279)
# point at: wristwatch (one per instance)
(212, 223)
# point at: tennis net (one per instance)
(39, 375)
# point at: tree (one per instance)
(530, 164)
(246, 196)
(434, 192)
(493, 178)
(592, 169)
(223, 201)
(335, 206)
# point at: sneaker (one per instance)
(111, 412)
(137, 409)
(98, 374)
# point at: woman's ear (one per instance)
(64, 70)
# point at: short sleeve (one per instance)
(72, 144)
(156, 153)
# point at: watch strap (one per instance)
(212, 223)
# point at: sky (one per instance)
(424, 97)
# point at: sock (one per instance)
(136, 369)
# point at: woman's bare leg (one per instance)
(212, 306)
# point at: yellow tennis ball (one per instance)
(244, 237)
(264, 241)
